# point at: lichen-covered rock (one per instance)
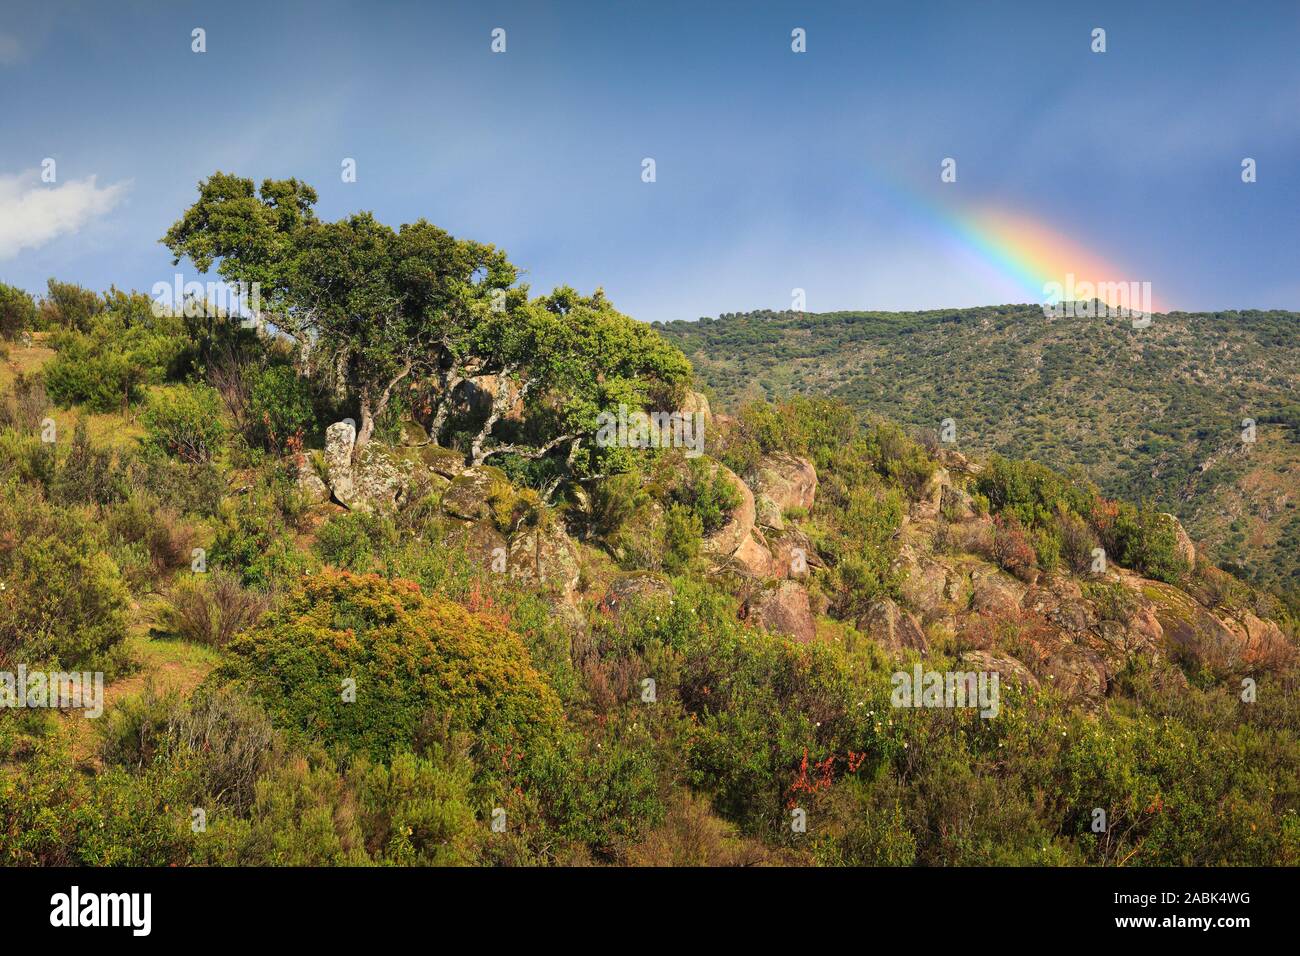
(544, 556)
(792, 553)
(783, 608)
(414, 435)
(1262, 642)
(446, 462)
(928, 504)
(1008, 669)
(1078, 673)
(468, 495)
(1190, 630)
(482, 543)
(310, 482)
(930, 587)
(379, 479)
(340, 439)
(768, 513)
(956, 505)
(996, 593)
(787, 480)
(893, 627)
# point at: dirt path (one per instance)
(169, 665)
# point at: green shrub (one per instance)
(209, 609)
(408, 654)
(107, 367)
(862, 549)
(683, 531)
(69, 306)
(707, 492)
(186, 422)
(279, 408)
(63, 600)
(352, 540)
(17, 311)
(1032, 492)
(252, 542)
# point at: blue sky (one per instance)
(775, 170)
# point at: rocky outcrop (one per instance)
(445, 462)
(340, 439)
(793, 555)
(1184, 548)
(768, 514)
(544, 556)
(414, 435)
(754, 559)
(782, 608)
(930, 500)
(375, 481)
(482, 543)
(783, 482)
(310, 483)
(956, 505)
(996, 594)
(724, 542)
(1262, 642)
(468, 497)
(1008, 669)
(894, 628)
(935, 590)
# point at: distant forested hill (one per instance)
(1153, 413)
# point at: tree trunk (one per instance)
(500, 402)
(367, 428)
(449, 385)
(372, 408)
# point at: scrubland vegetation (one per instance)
(1151, 414)
(528, 649)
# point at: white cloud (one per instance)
(10, 51)
(33, 213)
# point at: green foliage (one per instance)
(252, 541)
(107, 366)
(706, 492)
(279, 408)
(1032, 492)
(683, 531)
(863, 549)
(69, 306)
(17, 311)
(63, 600)
(354, 539)
(186, 421)
(410, 656)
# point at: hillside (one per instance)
(1149, 414)
(381, 584)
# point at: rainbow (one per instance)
(1023, 252)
